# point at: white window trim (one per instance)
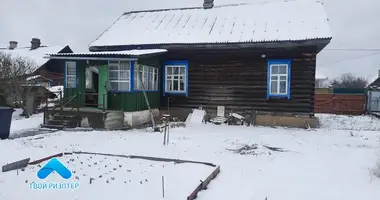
(74, 76)
(278, 80)
(154, 79)
(145, 77)
(172, 79)
(118, 65)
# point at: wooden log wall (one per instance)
(237, 79)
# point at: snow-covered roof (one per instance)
(31, 78)
(36, 55)
(135, 52)
(244, 23)
(372, 80)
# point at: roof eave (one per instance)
(319, 42)
(91, 58)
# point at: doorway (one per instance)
(92, 87)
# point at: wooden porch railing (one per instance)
(63, 103)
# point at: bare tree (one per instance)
(13, 79)
(348, 80)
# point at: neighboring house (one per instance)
(374, 82)
(51, 70)
(251, 58)
(373, 99)
(39, 80)
(320, 81)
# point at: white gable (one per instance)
(260, 22)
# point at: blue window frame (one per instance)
(71, 74)
(175, 76)
(278, 81)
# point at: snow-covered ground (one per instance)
(345, 122)
(327, 163)
(21, 124)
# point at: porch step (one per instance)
(65, 123)
(51, 126)
(65, 117)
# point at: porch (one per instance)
(107, 89)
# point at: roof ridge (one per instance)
(159, 10)
(218, 6)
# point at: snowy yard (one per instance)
(328, 163)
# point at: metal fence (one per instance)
(373, 101)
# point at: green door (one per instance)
(103, 80)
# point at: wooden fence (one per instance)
(346, 104)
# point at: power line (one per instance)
(353, 58)
(352, 50)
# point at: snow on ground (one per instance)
(20, 125)
(345, 122)
(16, 115)
(325, 163)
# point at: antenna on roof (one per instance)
(208, 4)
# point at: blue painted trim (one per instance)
(132, 74)
(176, 62)
(65, 75)
(279, 61)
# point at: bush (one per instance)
(376, 169)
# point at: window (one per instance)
(153, 74)
(119, 75)
(71, 75)
(279, 78)
(141, 71)
(176, 77)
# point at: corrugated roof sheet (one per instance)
(135, 52)
(35, 55)
(260, 22)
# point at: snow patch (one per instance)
(345, 122)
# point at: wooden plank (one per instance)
(45, 159)
(203, 185)
(210, 178)
(16, 165)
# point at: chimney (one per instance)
(35, 43)
(379, 73)
(208, 4)
(12, 45)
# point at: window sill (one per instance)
(146, 91)
(176, 93)
(278, 96)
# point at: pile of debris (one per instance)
(256, 150)
(231, 119)
(200, 115)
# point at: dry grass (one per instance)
(376, 169)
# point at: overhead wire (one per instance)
(348, 59)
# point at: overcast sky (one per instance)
(354, 25)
